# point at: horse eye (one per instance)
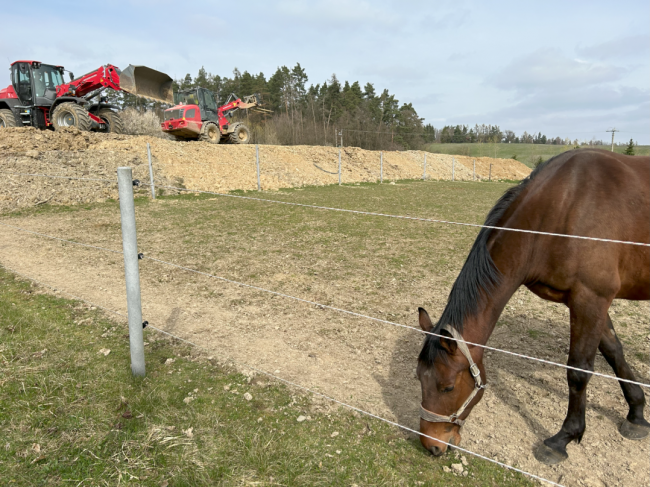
(448, 389)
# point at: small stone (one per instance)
(301, 418)
(335, 434)
(465, 473)
(248, 396)
(457, 468)
(259, 420)
(338, 452)
(226, 388)
(188, 400)
(463, 460)
(188, 432)
(446, 469)
(104, 351)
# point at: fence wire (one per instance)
(340, 310)
(368, 213)
(301, 387)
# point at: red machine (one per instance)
(39, 97)
(197, 116)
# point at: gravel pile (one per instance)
(203, 166)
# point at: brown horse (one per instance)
(589, 193)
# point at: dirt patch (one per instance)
(203, 166)
(380, 267)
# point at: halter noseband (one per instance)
(478, 385)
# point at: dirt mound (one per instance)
(203, 166)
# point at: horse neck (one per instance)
(478, 327)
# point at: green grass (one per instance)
(525, 153)
(70, 415)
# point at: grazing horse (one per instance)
(590, 193)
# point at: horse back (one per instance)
(591, 193)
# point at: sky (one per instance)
(564, 68)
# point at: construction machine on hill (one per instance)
(197, 116)
(39, 97)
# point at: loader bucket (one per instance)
(147, 82)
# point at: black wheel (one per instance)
(113, 121)
(70, 114)
(240, 135)
(210, 133)
(7, 119)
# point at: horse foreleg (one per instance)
(587, 325)
(635, 427)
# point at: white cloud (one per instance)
(637, 46)
(550, 70)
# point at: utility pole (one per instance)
(613, 131)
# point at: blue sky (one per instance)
(565, 68)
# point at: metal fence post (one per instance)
(153, 190)
(453, 168)
(381, 167)
(131, 269)
(490, 176)
(424, 174)
(339, 166)
(474, 173)
(257, 162)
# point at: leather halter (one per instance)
(478, 385)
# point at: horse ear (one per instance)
(425, 321)
(448, 344)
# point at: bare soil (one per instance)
(204, 166)
(356, 263)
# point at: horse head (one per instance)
(452, 379)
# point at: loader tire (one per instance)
(210, 133)
(7, 119)
(113, 121)
(240, 134)
(70, 114)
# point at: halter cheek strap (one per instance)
(432, 417)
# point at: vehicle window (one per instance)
(46, 78)
(209, 101)
(191, 113)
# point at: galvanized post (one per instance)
(153, 190)
(490, 176)
(339, 166)
(424, 174)
(381, 167)
(257, 162)
(453, 168)
(131, 269)
(474, 173)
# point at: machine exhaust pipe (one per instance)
(147, 82)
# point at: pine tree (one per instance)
(629, 150)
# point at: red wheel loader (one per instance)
(197, 116)
(39, 97)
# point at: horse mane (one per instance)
(478, 277)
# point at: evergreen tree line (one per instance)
(324, 113)
(316, 114)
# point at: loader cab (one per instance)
(35, 85)
(203, 98)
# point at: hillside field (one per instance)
(526, 153)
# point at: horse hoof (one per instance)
(633, 431)
(549, 456)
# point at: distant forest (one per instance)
(315, 114)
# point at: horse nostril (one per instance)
(436, 451)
